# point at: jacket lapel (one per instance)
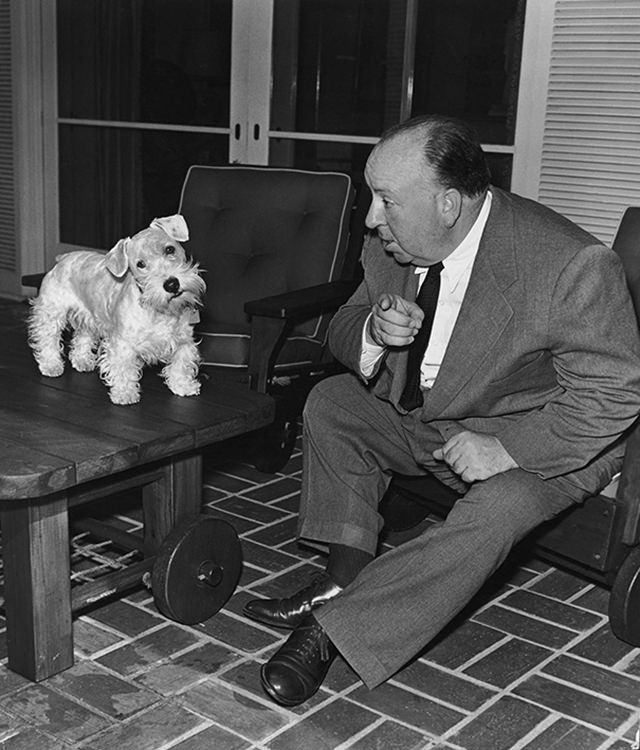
(484, 313)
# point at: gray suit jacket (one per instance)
(545, 353)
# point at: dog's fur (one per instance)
(132, 306)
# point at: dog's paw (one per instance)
(124, 397)
(51, 370)
(83, 364)
(184, 388)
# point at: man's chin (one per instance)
(399, 255)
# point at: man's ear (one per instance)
(451, 206)
(116, 259)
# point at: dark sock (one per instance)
(345, 563)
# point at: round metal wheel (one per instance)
(197, 569)
(624, 602)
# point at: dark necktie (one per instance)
(427, 299)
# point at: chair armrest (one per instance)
(303, 303)
(32, 279)
(272, 318)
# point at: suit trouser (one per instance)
(353, 441)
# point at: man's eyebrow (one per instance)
(388, 192)
(380, 188)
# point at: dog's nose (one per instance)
(171, 285)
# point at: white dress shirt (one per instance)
(454, 280)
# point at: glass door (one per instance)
(338, 80)
(344, 70)
(140, 91)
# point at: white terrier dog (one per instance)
(132, 306)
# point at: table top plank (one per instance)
(155, 437)
(238, 410)
(94, 454)
(216, 393)
(219, 411)
(69, 431)
(29, 473)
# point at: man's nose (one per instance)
(373, 218)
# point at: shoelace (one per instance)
(303, 594)
(316, 638)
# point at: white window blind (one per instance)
(590, 166)
(7, 186)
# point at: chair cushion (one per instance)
(257, 232)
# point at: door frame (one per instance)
(28, 147)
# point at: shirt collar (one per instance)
(463, 256)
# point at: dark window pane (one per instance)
(467, 63)
(337, 65)
(165, 61)
(352, 158)
(326, 157)
(114, 181)
(500, 166)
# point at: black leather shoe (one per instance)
(296, 671)
(289, 613)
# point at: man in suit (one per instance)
(519, 399)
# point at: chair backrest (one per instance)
(627, 244)
(261, 231)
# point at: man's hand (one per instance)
(394, 321)
(475, 456)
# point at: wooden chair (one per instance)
(600, 538)
(280, 248)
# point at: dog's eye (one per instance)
(169, 250)
(141, 264)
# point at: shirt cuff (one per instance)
(370, 354)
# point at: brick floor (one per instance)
(532, 665)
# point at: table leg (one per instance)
(170, 499)
(37, 585)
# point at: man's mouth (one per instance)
(387, 243)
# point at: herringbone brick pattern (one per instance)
(530, 665)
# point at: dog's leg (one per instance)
(121, 370)
(180, 373)
(45, 327)
(82, 351)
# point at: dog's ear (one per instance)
(116, 259)
(175, 226)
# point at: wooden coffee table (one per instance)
(63, 443)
